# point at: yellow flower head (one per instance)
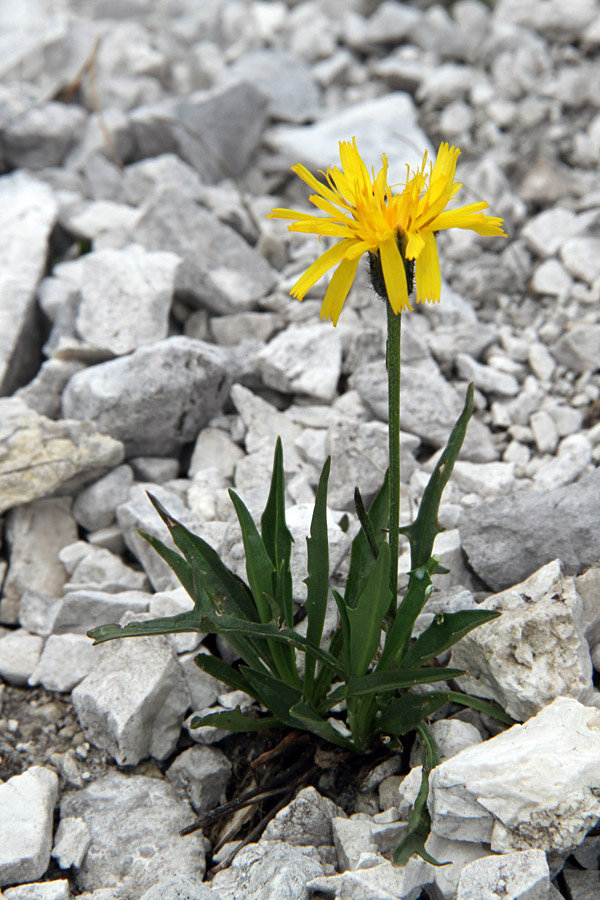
(397, 229)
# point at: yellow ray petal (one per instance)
(336, 293)
(315, 271)
(427, 272)
(394, 276)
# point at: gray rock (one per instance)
(580, 256)
(71, 843)
(203, 688)
(180, 887)
(486, 378)
(353, 837)
(451, 736)
(372, 122)
(231, 330)
(78, 611)
(581, 885)
(429, 408)
(305, 360)
(43, 136)
(216, 131)
(94, 507)
(269, 870)
(99, 569)
(28, 212)
(168, 170)
(134, 700)
(380, 881)
(522, 875)
(65, 661)
(43, 393)
(391, 23)
(19, 655)
(306, 820)
(359, 458)
(139, 514)
(155, 469)
(579, 347)
(125, 298)
(508, 539)
(171, 603)
(202, 774)
(509, 791)
(220, 271)
(134, 822)
(288, 83)
(215, 449)
(546, 232)
(264, 424)
(154, 400)
(536, 651)
(573, 457)
(26, 813)
(551, 278)
(444, 83)
(41, 457)
(35, 534)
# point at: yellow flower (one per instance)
(397, 229)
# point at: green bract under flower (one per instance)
(368, 217)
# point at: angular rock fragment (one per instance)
(507, 539)
(536, 651)
(134, 823)
(26, 816)
(28, 210)
(133, 701)
(40, 457)
(155, 399)
(509, 791)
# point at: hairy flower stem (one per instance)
(394, 331)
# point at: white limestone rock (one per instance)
(35, 534)
(134, 700)
(156, 398)
(491, 479)
(521, 875)
(306, 820)
(65, 661)
(215, 449)
(536, 651)
(305, 360)
(19, 655)
(41, 457)
(126, 296)
(202, 774)
(535, 786)
(268, 870)
(134, 822)
(383, 881)
(574, 454)
(456, 855)
(78, 611)
(28, 209)
(71, 843)
(27, 804)
(95, 505)
(451, 736)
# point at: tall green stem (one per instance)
(394, 330)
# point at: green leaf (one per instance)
(275, 694)
(229, 624)
(366, 618)
(235, 720)
(180, 566)
(423, 531)
(259, 568)
(317, 582)
(382, 682)
(405, 713)
(309, 719)
(277, 537)
(222, 671)
(487, 707)
(397, 638)
(444, 631)
(181, 623)
(227, 592)
(419, 822)
(362, 558)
